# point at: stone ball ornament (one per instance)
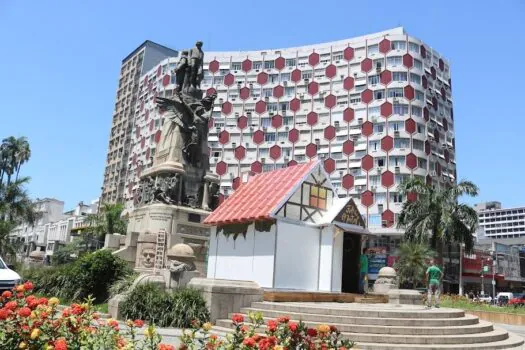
(181, 250)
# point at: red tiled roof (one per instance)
(258, 198)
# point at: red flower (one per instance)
(138, 323)
(66, 312)
(7, 294)
(5, 313)
(28, 285)
(292, 326)
(11, 305)
(271, 325)
(333, 329)
(113, 323)
(283, 319)
(249, 342)
(312, 332)
(166, 347)
(237, 318)
(245, 329)
(43, 301)
(20, 295)
(60, 344)
(24, 312)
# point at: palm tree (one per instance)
(412, 263)
(436, 214)
(15, 204)
(108, 220)
(23, 153)
(14, 152)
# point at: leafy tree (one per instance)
(14, 152)
(412, 263)
(107, 220)
(437, 216)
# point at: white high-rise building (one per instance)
(500, 223)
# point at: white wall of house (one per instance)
(337, 261)
(297, 257)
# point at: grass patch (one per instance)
(459, 302)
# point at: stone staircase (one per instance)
(388, 326)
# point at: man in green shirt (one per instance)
(434, 276)
(363, 272)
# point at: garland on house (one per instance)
(242, 228)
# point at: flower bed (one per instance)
(31, 322)
(279, 334)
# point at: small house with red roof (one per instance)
(287, 229)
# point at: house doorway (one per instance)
(351, 254)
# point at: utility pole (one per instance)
(461, 269)
(494, 261)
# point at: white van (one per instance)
(503, 298)
(8, 278)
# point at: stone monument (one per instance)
(178, 191)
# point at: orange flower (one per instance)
(20, 288)
(60, 344)
(138, 323)
(7, 294)
(237, 318)
(324, 328)
(11, 305)
(28, 285)
(166, 347)
(4, 313)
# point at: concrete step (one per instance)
(513, 342)
(407, 322)
(360, 310)
(482, 327)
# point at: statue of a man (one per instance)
(199, 128)
(181, 70)
(196, 64)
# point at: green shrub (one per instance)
(123, 284)
(151, 303)
(92, 274)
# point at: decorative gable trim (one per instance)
(350, 215)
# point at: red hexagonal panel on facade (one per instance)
(295, 104)
(445, 124)
(387, 143)
(367, 198)
(441, 65)
(292, 163)
(330, 71)
(275, 152)
(277, 121)
(242, 122)
(330, 101)
(388, 218)
(446, 154)
(311, 150)
(210, 123)
(224, 137)
(278, 91)
(313, 88)
(367, 128)
(433, 72)
(229, 79)
(157, 136)
(293, 135)
(408, 60)
(227, 107)
(295, 76)
(240, 152)
(443, 94)
(210, 91)
(260, 107)
(385, 77)
(426, 114)
(258, 137)
(221, 168)
(427, 147)
(366, 65)
(386, 109)
(214, 66)
(429, 180)
(385, 46)
(262, 78)
(329, 165)
(312, 118)
(347, 182)
(410, 126)
(166, 80)
(313, 59)
(424, 81)
(367, 162)
(244, 93)
(279, 63)
(411, 196)
(387, 179)
(348, 53)
(256, 167)
(367, 96)
(236, 183)
(348, 115)
(411, 161)
(348, 147)
(348, 83)
(246, 65)
(409, 92)
(423, 51)
(329, 132)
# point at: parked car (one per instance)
(518, 300)
(485, 298)
(503, 298)
(8, 278)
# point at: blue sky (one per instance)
(60, 62)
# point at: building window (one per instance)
(373, 49)
(373, 79)
(318, 197)
(373, 111)
(418, 64)
(420, 96)
(236, 66)
(400, 109)
(285, 76)
(400, 76)
(413, 47)
(396, 197)
(268, 64)
(257, 65)
(396, 126)
(290, 62)
(269, 137)
(415, 78)
(307, 75)
(395, 92)
(379, 94)
(399, 45)
(378, 128)
(374, 145)
(417, 111)
(380, 161)
(397, 160)
(393, 61)
(401, 143)
(289, 91)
